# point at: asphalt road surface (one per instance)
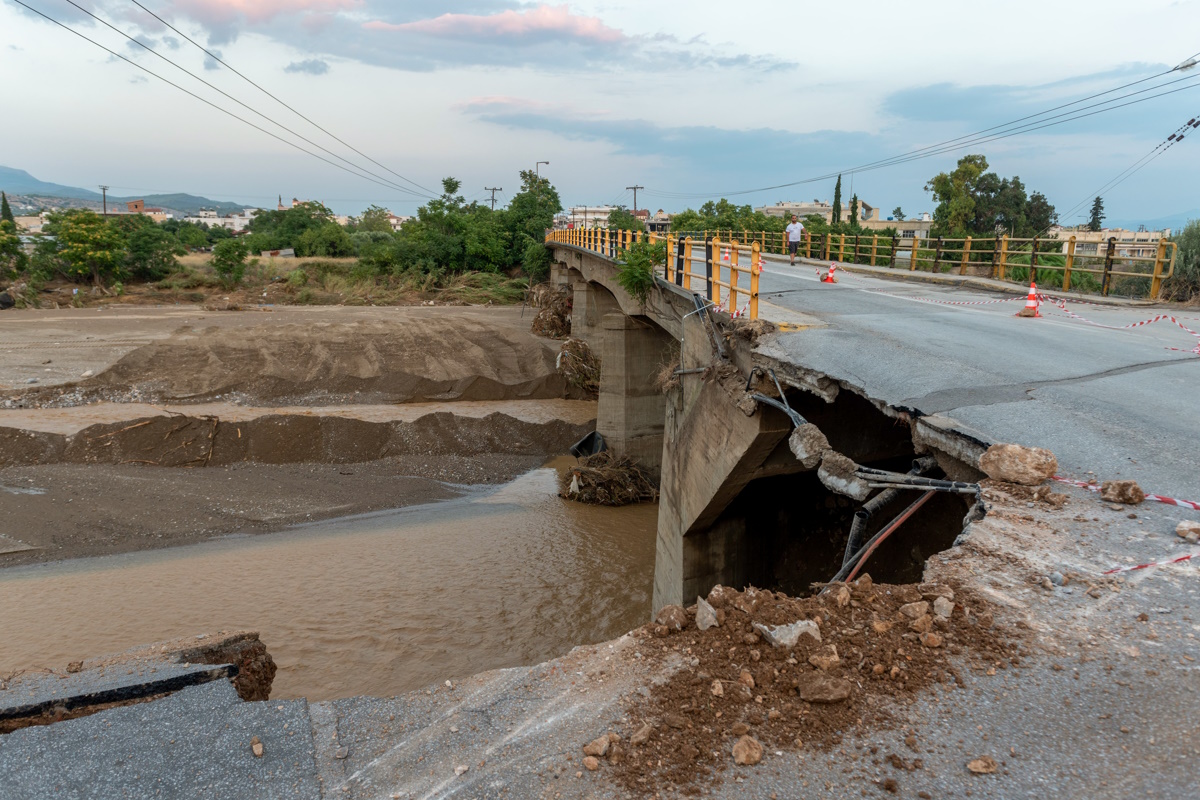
(1116, 403)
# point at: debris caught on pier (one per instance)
(608, 480)
(553, 320)
(579, 366)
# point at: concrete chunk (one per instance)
(788, 635)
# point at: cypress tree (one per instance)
(837, 201)
(5, 211)
(854, 211)
(1096, 220)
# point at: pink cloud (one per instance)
(545, 19)
(256, 11)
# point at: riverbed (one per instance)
(374, 604)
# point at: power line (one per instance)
(201, 99)
(635, 191)
(249, 108)
(493, 191)
(223, 63)
(1006, 130)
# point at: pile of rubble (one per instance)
(765, 670)
(553, 320)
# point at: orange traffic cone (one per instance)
(829, 277)
(1031, 303)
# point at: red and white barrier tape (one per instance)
(1178, 560)
(1171, 501)
(1062, 306)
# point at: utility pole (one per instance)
(493, 191)
(635, 191)
(104, 195)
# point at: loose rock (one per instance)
(747, 751)
(459, 770)
(674, 617)
(721, 595)
(826, 658)
(817, 687)
(921, 624)
(1127, 492)
(642, 734)
(1188, 529)
(591, 763)
(706, 615)
(717, 689)
(943, 607)
(1013, 463)
(788, 635)
(915, 610)
(256, 747)
(984, 765)
(597, 747)
(931, 639)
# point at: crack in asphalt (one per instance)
(950, 399)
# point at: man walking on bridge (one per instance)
(795, 232)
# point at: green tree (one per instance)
(955, 194)
(149, 249)
(837, 202)
(229, 261)
(854, 221)
(898, 213)
(192, 235)
(276, 230)
(375, 220)
(329, 239)
(724, 215)
(12, 255)
(1039, 214)
(620, 219)
(1096, 219)
(87, 246)
(6, 214)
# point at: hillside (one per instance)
(19, 183)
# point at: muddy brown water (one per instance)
(372, 605)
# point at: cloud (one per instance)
(515, 26)
(255, 12)
(313, 66)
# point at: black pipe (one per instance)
(863, 515)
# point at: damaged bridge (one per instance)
(891, 376)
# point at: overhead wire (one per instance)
(1005, 130)
(249, 108)
(328, 133)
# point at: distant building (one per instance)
(659, 223)
(156, 214)
(396, 221)
(821, 208)
(234, 223)
(918, 226)
(286, 252)
(589, 216)
(30, 224)
(1129, 244)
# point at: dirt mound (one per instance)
(607, 480)
(878, 643)
(444, 355)
(183, 441)
(554, 319)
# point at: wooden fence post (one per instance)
(966, 256)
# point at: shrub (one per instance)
(635, 271)
(1184, 283)
(229, 261)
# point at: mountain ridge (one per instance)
(18, 182)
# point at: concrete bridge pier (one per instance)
(632, 410)
(590, 304)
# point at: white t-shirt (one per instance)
(795, 232)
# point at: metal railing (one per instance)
(1058, 262)
(711, 267)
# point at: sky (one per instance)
(691, 100)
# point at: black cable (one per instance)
(249, 108)
(223, 63)
(975, 138)
(201, 99)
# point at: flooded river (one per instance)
(377, 604)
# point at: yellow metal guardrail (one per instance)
(1002, 258)
(709, 267)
